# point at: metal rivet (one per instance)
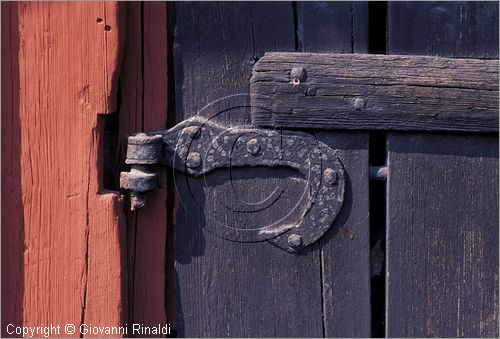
(294, 240)
(192, 131)
(298, 73)
(359, 103)
(330, 176)
(193, 160)
(253, 146)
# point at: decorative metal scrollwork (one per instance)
(198, 146)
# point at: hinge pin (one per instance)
(142, 150)
(378, 172)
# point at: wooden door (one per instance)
(435, 219)
(230, 288)
(416, 255)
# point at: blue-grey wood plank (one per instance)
(345, 249)
(332, 27)
(342, 27)
(442, 231)
(443, 28)
(226, 288)
(232, 289)
(442, 236)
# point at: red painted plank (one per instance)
(149, 273)
(12, 209)
(72, 229)
(144, 108)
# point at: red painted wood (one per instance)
(12, 209)
(64, 234)
(144, 108)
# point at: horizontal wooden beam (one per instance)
(382, 92)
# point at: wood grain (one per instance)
(345, 249)
(333, 27)
(375, 92)
(144, 108)
(227, 288)
(328, 27)
(72, 227)
(442, 236)
(442, 231)
(150, 241)
(461, 29)
(12, 207)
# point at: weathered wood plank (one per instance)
(442, 236)
(151, 235)
(344, 251)
(375, 92)
(325, 26)
(463, 29)
(227, 288)
(144, 108)
(130, 121)
(12, 207)
(72, 227)
(243, 289)
(345, 248)
(442, 232)
(229, 51)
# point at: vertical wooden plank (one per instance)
(329, 27)
(144, 108)
(442, 231)
(345, 263)
(253, 289)
(213, 62)
(442, 236)
(453, 29)
(130, 121)
(12, 208)
(150, 241)
(155, 65)
(73, 239)
(227, 288)
(105, 259)
(345, 249)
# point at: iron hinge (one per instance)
(198, 146)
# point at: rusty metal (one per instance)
(142, 150)
(138, 181)
(198, 146)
